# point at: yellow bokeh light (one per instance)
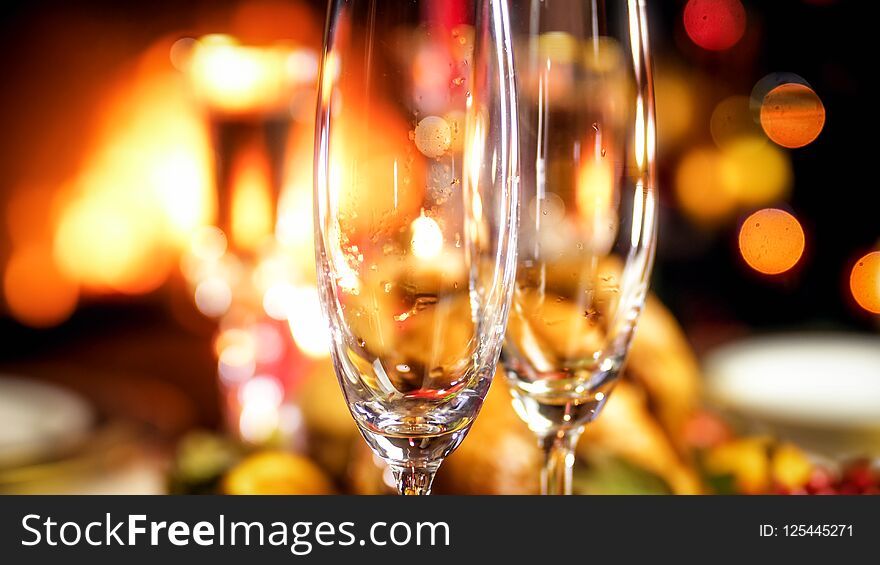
(755, 172)
(771, 241)
(676, 105)
(36, 292)
(864, 282)
(698, 188)
(792, 115)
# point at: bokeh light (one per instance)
(771, 241)
(732, 120)
(792, 115)
(715, 25)
(213, 296)
(676, 104)
(755, 172)
(37, 293)
(864, 282)
(767, 83)
(698, 188)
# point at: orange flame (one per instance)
(251, 200)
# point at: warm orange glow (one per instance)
(771, 241)
(36, 292)
(595, 188)
(234, 78)
(29, 213)
(792, 115)
(144, 187)
(252, 211)
(864, 282)
(698, 188)
(376, 180)
(110, 242)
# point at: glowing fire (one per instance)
(234, 78)
(144, 188)
(252, 206)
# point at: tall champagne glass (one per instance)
(416, 210)
(588, 227)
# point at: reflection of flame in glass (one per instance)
(427, 238)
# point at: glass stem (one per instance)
(413, 480)
(558, 449)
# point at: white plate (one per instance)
(826, 380)
(39, 420)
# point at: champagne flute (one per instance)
(588, 226)
(416, 211)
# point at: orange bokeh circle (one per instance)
(864, 282)
(792, 115)
(771, 241)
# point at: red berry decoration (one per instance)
(859, 476)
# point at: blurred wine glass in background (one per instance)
(240, 269)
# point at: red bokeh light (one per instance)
(715, 25)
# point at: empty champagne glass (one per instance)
(416, 209)
(588, 227)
